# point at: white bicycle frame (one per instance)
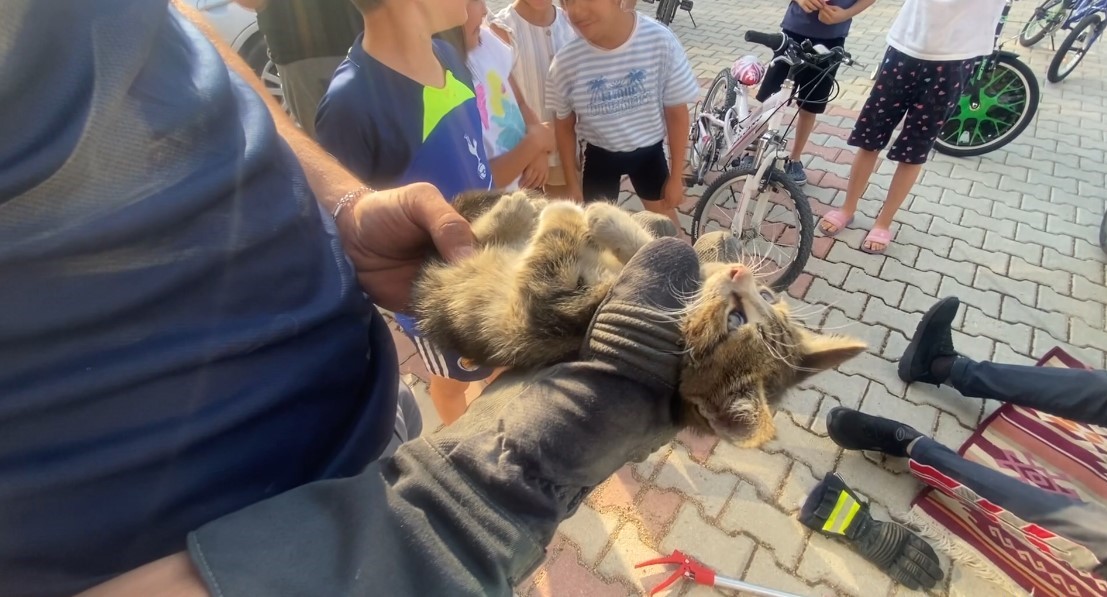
(750, 127)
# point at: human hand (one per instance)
(555, 433)
(672, 194)
(832, 15)
(810, 6)
(536, 173)
(574, 193)
(388, 235)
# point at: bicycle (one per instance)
(722, 134)
(999, 101)
(1047, 18)
(666, 10)
(1085, 14)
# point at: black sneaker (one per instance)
(933, 339)
(854, 430)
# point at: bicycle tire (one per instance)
(666, 11)
(1047, 23)
(801, 206)
(723, 78)
(1054, 73)
(701, 164)
(1103, 233)
(990, 110)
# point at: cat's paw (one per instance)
(616, 230)
(510, 220)
(562, 215)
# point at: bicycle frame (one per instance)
(749, 128)
(1082, 9)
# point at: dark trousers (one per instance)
(1075, 394)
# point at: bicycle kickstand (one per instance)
(702, 575)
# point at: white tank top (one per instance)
(942, 30)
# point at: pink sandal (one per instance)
(877, 235)
(836, 219)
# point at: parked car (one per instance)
(239, 28)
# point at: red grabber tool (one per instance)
(702, 575)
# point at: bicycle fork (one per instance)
(754, 181)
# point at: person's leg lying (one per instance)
(1076, 394)
(1077, 521)
(1081, 522)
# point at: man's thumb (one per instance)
(450, 233)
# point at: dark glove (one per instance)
(833, 509)
(567, 428)
(470, 509)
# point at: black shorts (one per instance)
(921, 93)
(603, 170)
(813, 85)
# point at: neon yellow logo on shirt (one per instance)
(437, 103)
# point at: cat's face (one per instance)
(743, 350)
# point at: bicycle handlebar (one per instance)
(795, 52)
(773, 41)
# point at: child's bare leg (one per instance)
(902, 182)
(448, 396)
(805, 123)
(658, 207)
(863, 165)
(556, 191)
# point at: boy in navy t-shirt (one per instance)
(823, 22)
(398, 112)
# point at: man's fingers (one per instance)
(450, 233)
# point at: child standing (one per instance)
(931, 50)
(825, 22)
(401, 109)
(517, 144)
(624, 86)
(537, 30)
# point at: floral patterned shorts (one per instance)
(921, 93)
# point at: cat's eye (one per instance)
(735, 320)
(768, 296)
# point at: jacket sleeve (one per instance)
(408, 525)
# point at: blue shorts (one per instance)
(441, 362)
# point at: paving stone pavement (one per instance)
(1013, 233)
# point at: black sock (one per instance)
(940, 367)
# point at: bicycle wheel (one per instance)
(704, 150)
(782, 243)
(1045, 19)
(666, 11)
(997, 105)
(1103, 233)
(1075, 47)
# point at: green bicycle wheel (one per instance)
(998, 103)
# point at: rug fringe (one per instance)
(958, 550)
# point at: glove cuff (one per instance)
(849, 515)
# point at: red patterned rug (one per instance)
(1039, 449)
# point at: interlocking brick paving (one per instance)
(1014, 233)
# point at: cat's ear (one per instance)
(822, 352)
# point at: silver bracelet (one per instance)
(347, 199)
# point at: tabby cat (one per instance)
(526, 298)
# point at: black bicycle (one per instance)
(666, 10)
(1046, 20)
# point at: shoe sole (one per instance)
(903, 369)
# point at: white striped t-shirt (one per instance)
(619, 96)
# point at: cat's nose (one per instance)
(739, 272)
